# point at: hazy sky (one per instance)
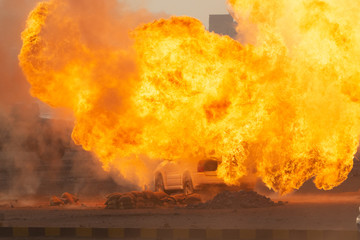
(199, 9)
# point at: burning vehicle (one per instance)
(174, 175)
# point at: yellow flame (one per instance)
(284, 108)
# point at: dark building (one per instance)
(222, 24)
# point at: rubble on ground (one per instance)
(65, 199)
(149, 199)
(236, 200)
(223, 200)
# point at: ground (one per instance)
(302, 212)
(307, 209)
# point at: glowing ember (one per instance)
(284, 108)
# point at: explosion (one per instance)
(283, 106)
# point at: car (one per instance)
(172, 175)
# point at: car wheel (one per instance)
(188, 185)
(159, 184)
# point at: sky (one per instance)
(199, 9)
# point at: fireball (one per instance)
(282, 106)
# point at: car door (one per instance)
(173, 175)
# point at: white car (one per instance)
(176, 175)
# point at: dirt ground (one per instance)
(307, 209)
(325, 212)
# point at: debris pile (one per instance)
(65, 199)
(236, 200)
(223, 200)
(149, 199)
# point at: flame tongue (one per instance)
(284, 109)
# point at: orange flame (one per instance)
(284, 108)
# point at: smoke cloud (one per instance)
(14, 87)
